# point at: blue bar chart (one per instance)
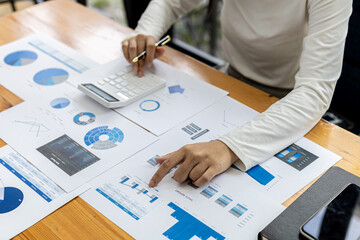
(297, 157)
(259, 174)
(189, 227)
(238, 210)
(131, 195)
(223, 200)
(209, 192)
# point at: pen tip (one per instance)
(135, 60)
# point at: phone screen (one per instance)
(340, 219)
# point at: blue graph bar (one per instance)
(260, 175)
(123, 181)
(285, 152)
(238, 210)
(188, 227)
(223, 200)
(135, 186)
(294, 157)
(153, 200)
(209, 192)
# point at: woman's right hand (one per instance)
(133, 46)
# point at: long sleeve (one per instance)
(293, 116)
(161, 14)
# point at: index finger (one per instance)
(165, 167)
(150, 51)
(125, 49)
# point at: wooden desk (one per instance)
(99, 38)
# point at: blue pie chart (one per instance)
(20, 58)
(51, 76)
(13, 197)
(59, 103)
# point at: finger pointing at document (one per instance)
(200, 162)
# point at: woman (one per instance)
(290, 49)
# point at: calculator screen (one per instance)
(100, 92)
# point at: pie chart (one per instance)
(51, 76)
(59, 103)
(13, 197)
(20, 58)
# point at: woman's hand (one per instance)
(133, 46)
(200, 162)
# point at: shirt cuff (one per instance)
(242, 163)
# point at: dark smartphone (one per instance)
(339, 219)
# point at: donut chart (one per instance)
(149, 105)
(84, 118)
(20, 58)
(13, 197)
(102, 138)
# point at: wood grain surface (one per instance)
(99, 38)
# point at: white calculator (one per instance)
(121, 88)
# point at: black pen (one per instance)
(162, 42)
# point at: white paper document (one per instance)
(280, 177)
(234, 205)
(177, 211)
(182, 97)
(28, 195)
(70, 137)
(60, 130)
(39, 62)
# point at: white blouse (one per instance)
(293, 44)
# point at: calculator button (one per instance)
(124, 83)
(131, 87)
(137, 91)
(118, 86)
(112, 83)
(126, 76)
(101, 82)
(131, 93)
(120, 94)
(124, 90)
(118, 80)
(106, 79)
(112, 77)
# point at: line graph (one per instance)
(35, 126)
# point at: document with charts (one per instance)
(177, 211)
(70, 137)
(245, 201)
(41, 60)
(279, 177)
(182, 97)
(26, 194)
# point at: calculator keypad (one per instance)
(126, 84)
